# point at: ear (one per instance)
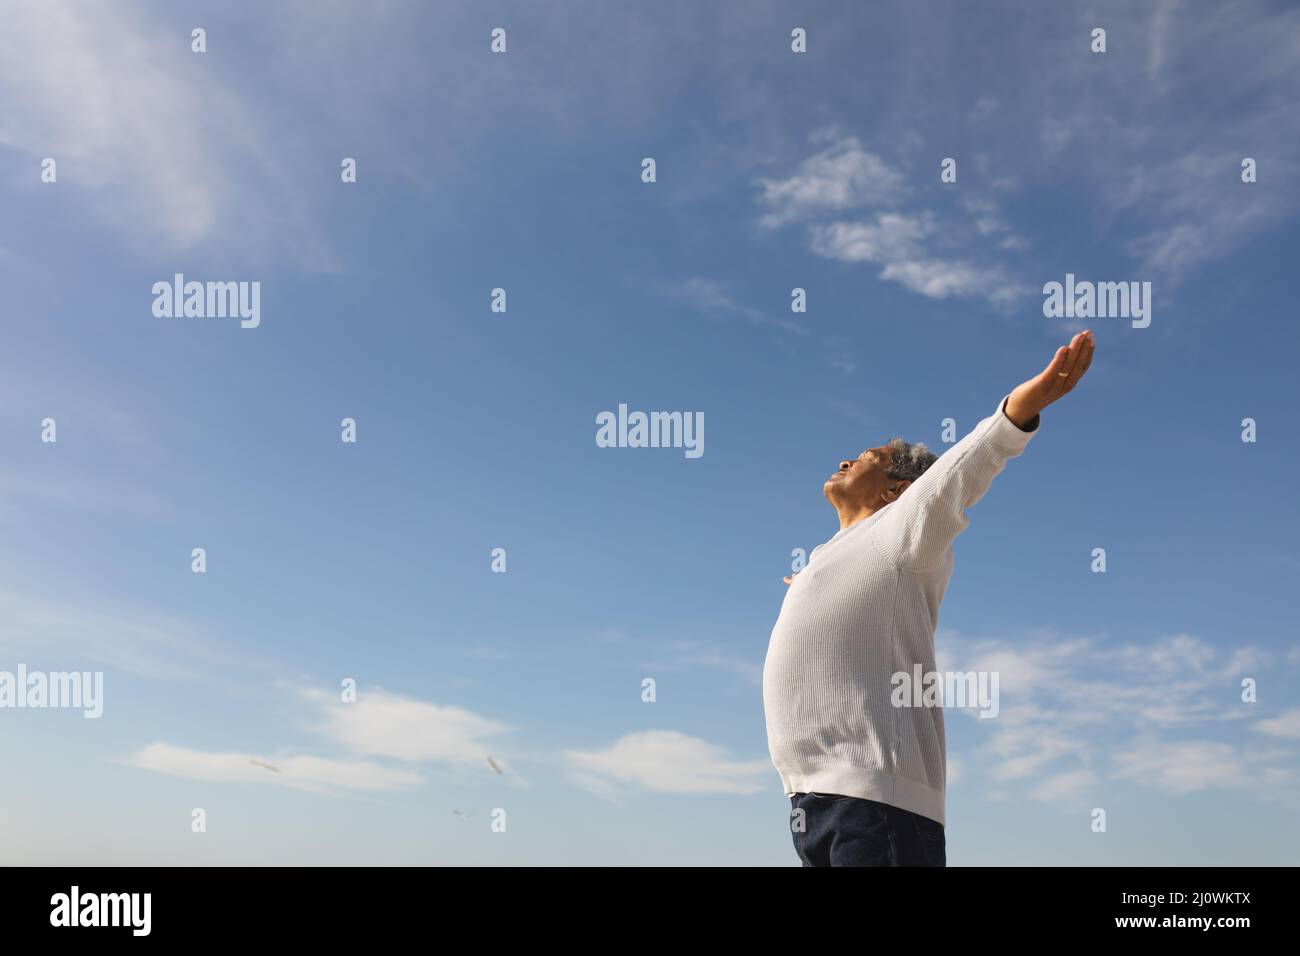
(894, 489)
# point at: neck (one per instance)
(851, 514)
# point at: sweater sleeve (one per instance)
(931, 512)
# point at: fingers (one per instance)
(1087, 357)
(1071, 356)
(1066, 368)
(1055, 364)
(1076, 362)
(1059, 367)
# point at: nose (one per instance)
(845, 465)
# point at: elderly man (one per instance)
(866, 778)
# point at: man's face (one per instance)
(863, 480)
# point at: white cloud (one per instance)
(1064, 787)
(596, 785)
(1026, 750)
(892, 236)
(1286, 724)
(895, 241)
(383, 724)
(1186, 766)
(1180, 653)
(843, 176)
(939, 279)
(1147, 163)
(301, 772)
(378, 724)
(665, 761)
(1073, 711)
(151, 136)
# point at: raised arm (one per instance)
(931, 512)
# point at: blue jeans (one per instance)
(834, 830)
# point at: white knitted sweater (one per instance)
(865, 608)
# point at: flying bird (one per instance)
(493, 764)
(258, 763)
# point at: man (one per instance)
(865, 778)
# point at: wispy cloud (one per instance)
(1283, 725)
(851, 410)
(1107, 135)
(891, 237)
(1077, 713)
(680, 655)
(990, 223)
(710, 297)
(1166, 191)
(108, 636)
(378, 724)
(910, 246)
(299, 772)
(1191, 766)
(383, 724)
(1064, 787)
(155, 139)
(665, 761)
(896, 242)
(840, 177)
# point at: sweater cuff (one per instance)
(1007, 434)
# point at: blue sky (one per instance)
(476, 430)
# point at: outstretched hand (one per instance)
(1058, 379)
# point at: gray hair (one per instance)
(909, 461)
